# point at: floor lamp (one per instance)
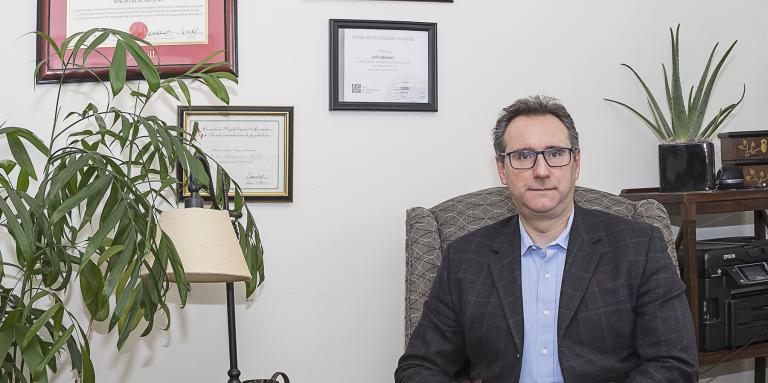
(207, 243)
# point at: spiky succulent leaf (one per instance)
(720, 117)
(655, 105)
(686, 119)
(702, 107)
(679, 114)
(654, 127)
(696, 100)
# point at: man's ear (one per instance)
(500, 168)
(577, 162)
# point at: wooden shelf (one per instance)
(690, 205)
(753, 351)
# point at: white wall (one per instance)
(332, 306)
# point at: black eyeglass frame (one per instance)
(570, 150)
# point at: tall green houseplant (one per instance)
(686, 118)
(87, 219)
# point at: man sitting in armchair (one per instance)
(556, 293)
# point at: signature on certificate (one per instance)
(187, 33)
(257, 178)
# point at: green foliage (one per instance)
(92, 212)
(685, 118)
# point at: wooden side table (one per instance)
(690, 205)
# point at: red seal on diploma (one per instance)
(139, 29)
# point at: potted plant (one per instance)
(90, 221)
(686, 153)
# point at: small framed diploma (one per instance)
(383, 65)
(183, 33)
(254, 144)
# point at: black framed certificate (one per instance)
(383, 65)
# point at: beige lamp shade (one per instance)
(207, 245)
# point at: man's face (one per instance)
(542, 191)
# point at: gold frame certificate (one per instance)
(254, 144)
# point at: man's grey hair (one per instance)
(533, 106)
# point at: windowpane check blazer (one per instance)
(622, 317)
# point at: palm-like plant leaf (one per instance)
(94, 212)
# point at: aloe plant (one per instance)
(89, 222)
(685, 118)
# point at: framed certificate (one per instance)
(383, 65)
(254, 144)
(183, 33)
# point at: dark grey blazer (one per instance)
(623, 316)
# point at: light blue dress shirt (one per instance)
(542, 276)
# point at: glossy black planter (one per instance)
(686, 167)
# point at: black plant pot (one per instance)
(686, 167)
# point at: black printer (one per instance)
(733, 292)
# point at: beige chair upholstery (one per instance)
(429, 231)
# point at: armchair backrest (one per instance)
(429, 231)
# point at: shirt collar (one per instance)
(561, 240)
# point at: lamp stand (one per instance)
(195, 200)
(234, 372)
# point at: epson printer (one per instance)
(733, 292)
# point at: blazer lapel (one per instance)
(580, 262)
(505, 270)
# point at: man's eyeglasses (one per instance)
(526, 159)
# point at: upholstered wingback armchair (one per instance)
(429, 231)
